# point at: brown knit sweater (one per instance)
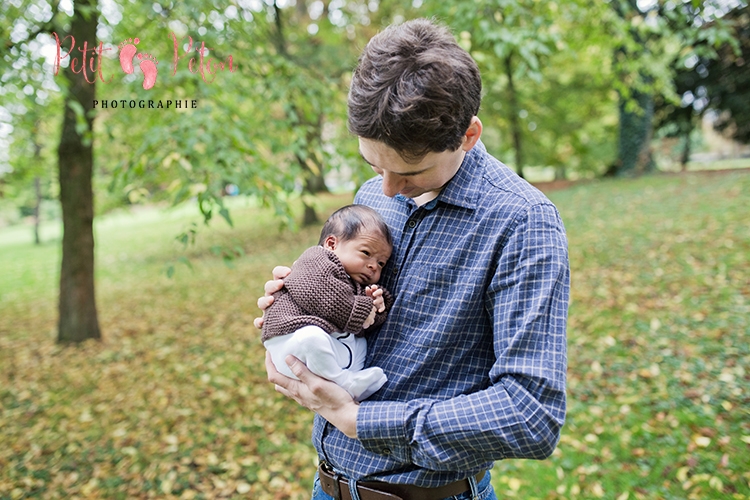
(319, 292)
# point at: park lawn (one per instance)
(173, 403)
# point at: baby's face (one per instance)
(363, 257)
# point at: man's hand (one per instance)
(271, 287)
(317, 394)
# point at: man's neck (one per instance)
(427, 197)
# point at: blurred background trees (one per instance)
(578, 87)
(714, 84)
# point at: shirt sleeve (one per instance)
(321, 288)
(521, 413)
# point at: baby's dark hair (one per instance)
(350, 221)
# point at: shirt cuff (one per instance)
(381, 428)
(361, 309)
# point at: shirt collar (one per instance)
(463, 189)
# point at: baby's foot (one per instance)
(365, 383)
(148, 66)
(127, 52)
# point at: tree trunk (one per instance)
(37, 204)
(514, 125)
(310, 216)
(561, 173)
(636, 129)
(686, 147)
(37, 181)
(636, 125)
(77, 307)
(315, 179)
(313, 171)
(314, 183)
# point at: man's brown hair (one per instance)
(414, 89)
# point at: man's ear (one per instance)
(473, 133)
(331, 242)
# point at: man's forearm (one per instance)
(463, 433)
(343, 418)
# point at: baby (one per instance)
(330, 299)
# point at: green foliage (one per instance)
(264, 127)
(652, 40)
(32, 109)
(277, 123)
(195, 152)
(563, 112)
(728, 80)
(498, 29)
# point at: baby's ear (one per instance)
(331, 242)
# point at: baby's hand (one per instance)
(376, 293)
(370, 319)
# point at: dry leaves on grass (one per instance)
(174, 403)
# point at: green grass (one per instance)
(174, 402)
(658, 342)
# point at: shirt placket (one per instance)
(408, 237)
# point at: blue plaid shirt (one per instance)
(474, 346)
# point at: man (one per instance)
(474, 347)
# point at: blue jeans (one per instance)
(484, 491)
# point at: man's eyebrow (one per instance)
(404, 174)
(363, 157)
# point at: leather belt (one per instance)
(338, 487)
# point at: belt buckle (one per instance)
(336, 478)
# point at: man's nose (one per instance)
(392, 184)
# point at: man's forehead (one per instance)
(392, 161)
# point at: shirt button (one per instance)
(395, 270)
(412, 224)
(386, 451)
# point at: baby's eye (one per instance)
(366, 252)
(381, 264)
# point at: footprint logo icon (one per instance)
(148, 66)
(128, 51)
